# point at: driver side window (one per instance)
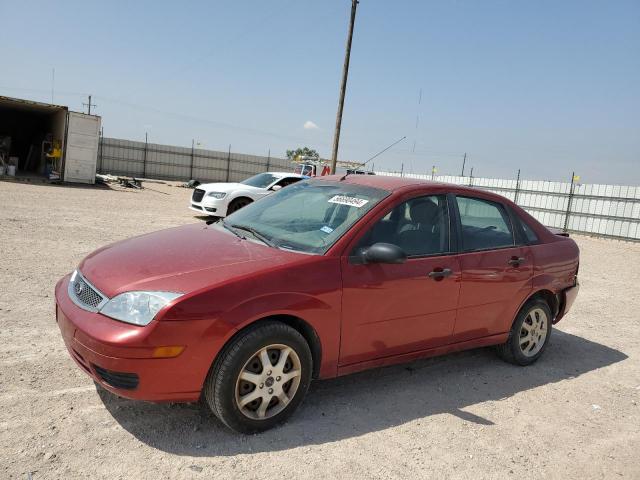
(419, 226)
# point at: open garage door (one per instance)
(82, 148)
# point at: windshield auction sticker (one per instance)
(351, 201)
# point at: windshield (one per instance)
(262, 180)
(308, 216)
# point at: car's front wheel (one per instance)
(237, 204)
(529, 334)
(260, 378)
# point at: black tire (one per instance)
(223, 379)
(512, 350)
(237, 204)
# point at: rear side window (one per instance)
(529, 234)
(485, 225)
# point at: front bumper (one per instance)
(118, 356)
(210, 206)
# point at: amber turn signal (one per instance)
(167, 352)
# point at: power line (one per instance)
(415, 137)
(203, 120)
(219, 124)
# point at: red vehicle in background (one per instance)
(326, 277)
(312, 169)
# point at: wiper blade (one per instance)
(283, 246)
(260, 236)
(232, 230)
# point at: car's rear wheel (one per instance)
(237, 204)
(529, 334)
(260, 378)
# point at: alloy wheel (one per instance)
(268, 382)
(533, 332)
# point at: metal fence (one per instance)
(611, 211)
(605, 210)
(150, 160)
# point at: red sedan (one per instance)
(326, 277)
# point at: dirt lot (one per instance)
(574, 414)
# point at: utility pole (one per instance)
(53, 82)
(343, 88)
(193, 144)
(101, 142)
(144, 160)
(464, 160)
(569, 202)
(89, 105)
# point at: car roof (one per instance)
(392, 183)
(381, 181)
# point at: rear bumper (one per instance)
(569, 296)
(118, 356)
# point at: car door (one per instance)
(391, 309)
(497, 270)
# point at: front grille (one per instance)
(125, 381)
(84, 294)
(198, 194)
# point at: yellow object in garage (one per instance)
(56, 151)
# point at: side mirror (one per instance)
(275, 188)
(384, 253)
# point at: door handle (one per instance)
(516, 261)
(440, 273)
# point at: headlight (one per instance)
(217, 195)
(137, 308)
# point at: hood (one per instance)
(182, 259)
(225, 187)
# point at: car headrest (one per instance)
(423, 211)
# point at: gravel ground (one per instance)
(574, 414)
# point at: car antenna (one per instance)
(379, 153)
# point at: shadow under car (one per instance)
(365, 402)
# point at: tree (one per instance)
(302, 152)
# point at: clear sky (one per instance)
(545, 86)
